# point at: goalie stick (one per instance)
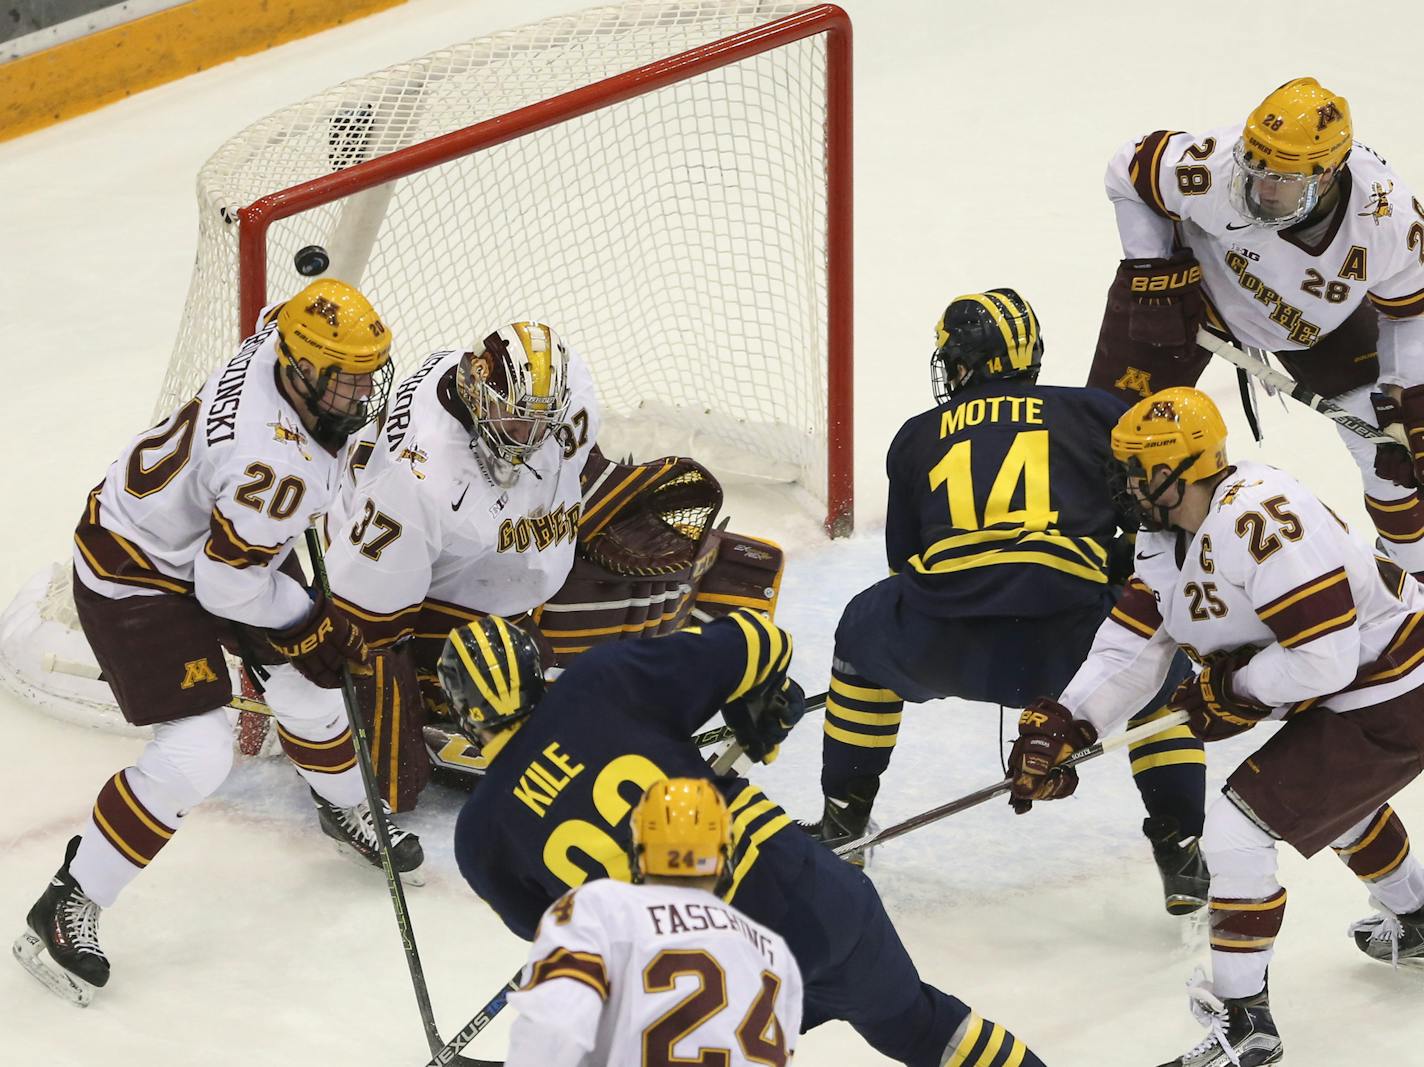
(1284, 383)
(450, 1053)
(989, 792)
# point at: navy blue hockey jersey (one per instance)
(999, 502)
(552, 809)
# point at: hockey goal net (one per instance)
(667, 183)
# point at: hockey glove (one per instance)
(763, 718)
(1396, 463)
(321, 645)
(1166, 301)
(1048, 734)
(1216, 710)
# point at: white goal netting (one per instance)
(677, 237)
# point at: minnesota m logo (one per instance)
(1327, 114)
(197, 670)
(1139, 381)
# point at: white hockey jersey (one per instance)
(210, 501)
(1272, 567)
(653, 974)
(422, 521)
(1281, 289)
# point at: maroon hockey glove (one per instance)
(1396, 463)
(1048, 734)
(1165, 306)
(322, 644)
(1217, 711)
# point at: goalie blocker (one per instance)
(650, 560)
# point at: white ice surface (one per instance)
(982, 133)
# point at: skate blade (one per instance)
(29, 950)
(413, 879)
(1180, 904)
(1194, 930)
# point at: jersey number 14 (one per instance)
(1026, 465)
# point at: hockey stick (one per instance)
(721, 765)
(373, 798)
(989, 792)
(1284, 383)
(718, 734)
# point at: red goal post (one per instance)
(825, 21)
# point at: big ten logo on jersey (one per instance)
(617, 787)
(540, 531)
(1282, 313)
(1025, 409)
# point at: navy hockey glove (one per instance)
(763, 718)
(1397, 463)
(1048, 735)
(1217, 711)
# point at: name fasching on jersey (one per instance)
(1274, 293)
(449, 531)
(226, 484)
(636, 951)
(1274, 568)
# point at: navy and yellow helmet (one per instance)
(491, 671)
(984, 336)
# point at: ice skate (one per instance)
(843, 821)
(1241, 1031)
(61, 945)
(1185, 879)
(353, 830)
(1391, 938)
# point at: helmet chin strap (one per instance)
(1162, 511)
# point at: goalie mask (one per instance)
(1290, 150)
(516, 387)
(681, 829)
(982, 337)
(491, 673)
(338, 357)
(1179, 431)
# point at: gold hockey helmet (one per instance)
(1179, 429)
(516, 387)
(333, 328)
(681, 829)
(1291, 142)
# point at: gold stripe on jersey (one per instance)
(1136, 609)
(585, 967)
(382, 628)
(754, 820)
(1082, 557)
(1399, 522)
(116, 559)
(768, 650)
(986, 1044)
(1400, 307)
(1145, 171)
(225, 546)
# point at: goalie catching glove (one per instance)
(1048, 735)
(322, 644)
(1216, 710)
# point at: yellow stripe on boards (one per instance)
(79, 76)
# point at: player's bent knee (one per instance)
(1236, 849)
(189, 759)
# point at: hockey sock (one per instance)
(1400, 523)
(1379, 856)
(862, 721)
(1170, 773)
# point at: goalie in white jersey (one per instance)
(1292, 619)
(463, 501)
(186, 547)
(1287, 235)
(663, 971)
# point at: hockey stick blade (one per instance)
(989, 792)
(1292, 388)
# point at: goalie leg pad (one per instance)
(395, 718)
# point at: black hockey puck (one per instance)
(311, 261)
